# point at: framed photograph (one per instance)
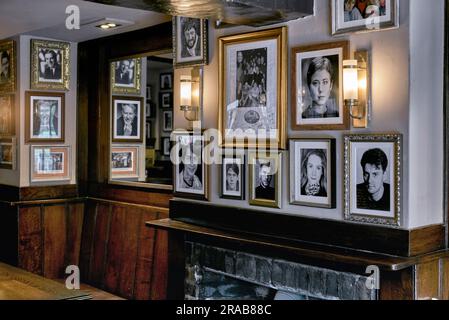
(190, 170)
(148, 130)
(8, 63)
(8, 153)
(317, 87)
(167, 123)
(233, 177)
(373, 178)
(126, 76)
(265, 172)
(44, 115)
(166, 99)
(166, 146)
(127, 119)
(50, 65)
(312, 173)
(7, 115)
(149, 92)
(166, 81)
(364, 16)
(124, 162)
(50, 163)
(148, 109)
(253, 89)
(190, 42)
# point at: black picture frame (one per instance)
(166, 81)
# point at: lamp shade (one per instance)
(350, 80)
(186, 91)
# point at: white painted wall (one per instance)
(414, 51)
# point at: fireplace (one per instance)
(214, 273)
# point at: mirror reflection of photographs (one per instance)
(7, 66)
(233, 177)
(124, 161)
(45, 115)
(166, 146)
(318, 91)
(190, 171)
(148, 129)
(190, 41)
(49, 163)
(166, 81)
(126, 76)
(148, 93)
(7, 115)
(253, 87)
(364, 15)
(167, 120)
(265, 180)
(166, 99)
(7, 153)
(50, 64)
(128, 119)
(373, 177)
(312, 163)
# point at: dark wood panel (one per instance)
(333, 233)
(9, 193)
(428, 280)
(75, 217)
(445, 279)
(176, 265)
(160, 267)
(55, 240)
(9, 234)
(87, 240)
(397, 285)
(30, 240)
(50, 192)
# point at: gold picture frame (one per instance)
(128, 79)
(8, 153)
(50, 65)
(270, 194)
(7, 115)
(8, 63)
(372, 178)
(246, 110)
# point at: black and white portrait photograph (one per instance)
(7, 66)
(50, 163)
(126, 76)
(265, 180)
(124, 162)
(8, 153)
(364, 15)
(317, 80)
(190, 41)
(233, 177)
(373, 176)
(148, 130)
(312, 167)
(45, 115)
(166, 81)
(7, 115)
(166, 146)
(167, 120)
(190, 169)
(166, 99)
(127, 119)
(253, 88)
(50, 64)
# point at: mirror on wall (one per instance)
(142, 120)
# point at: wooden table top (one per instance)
(18, 284)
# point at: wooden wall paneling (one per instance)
(397, 285)
(75, 217)
(175, 268)
(444, 279)
(55, 240)
(9, 234)
(100, 245)
(427, 280)
(51, 192)
(145, 253)
(87, 241)
(30, 239)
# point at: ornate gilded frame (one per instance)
(281, 37)
(37, 84)
(277, 157)
(204, 60)
(9, 141)
(136, 88)
(10, 86)
(12, 118)
(394, 138)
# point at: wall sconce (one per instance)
(190, 95)
(356, 84)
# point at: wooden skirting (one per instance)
(398, 242)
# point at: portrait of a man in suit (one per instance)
(4, 66)
(265, 191)
(127, 121)
(191, 46)
(124, 72)
(50, 65)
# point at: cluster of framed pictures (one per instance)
(166, 101)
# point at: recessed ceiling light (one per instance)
(108, 25)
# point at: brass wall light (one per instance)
(356, 85)
(190, 94)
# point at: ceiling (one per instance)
(47, 18)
